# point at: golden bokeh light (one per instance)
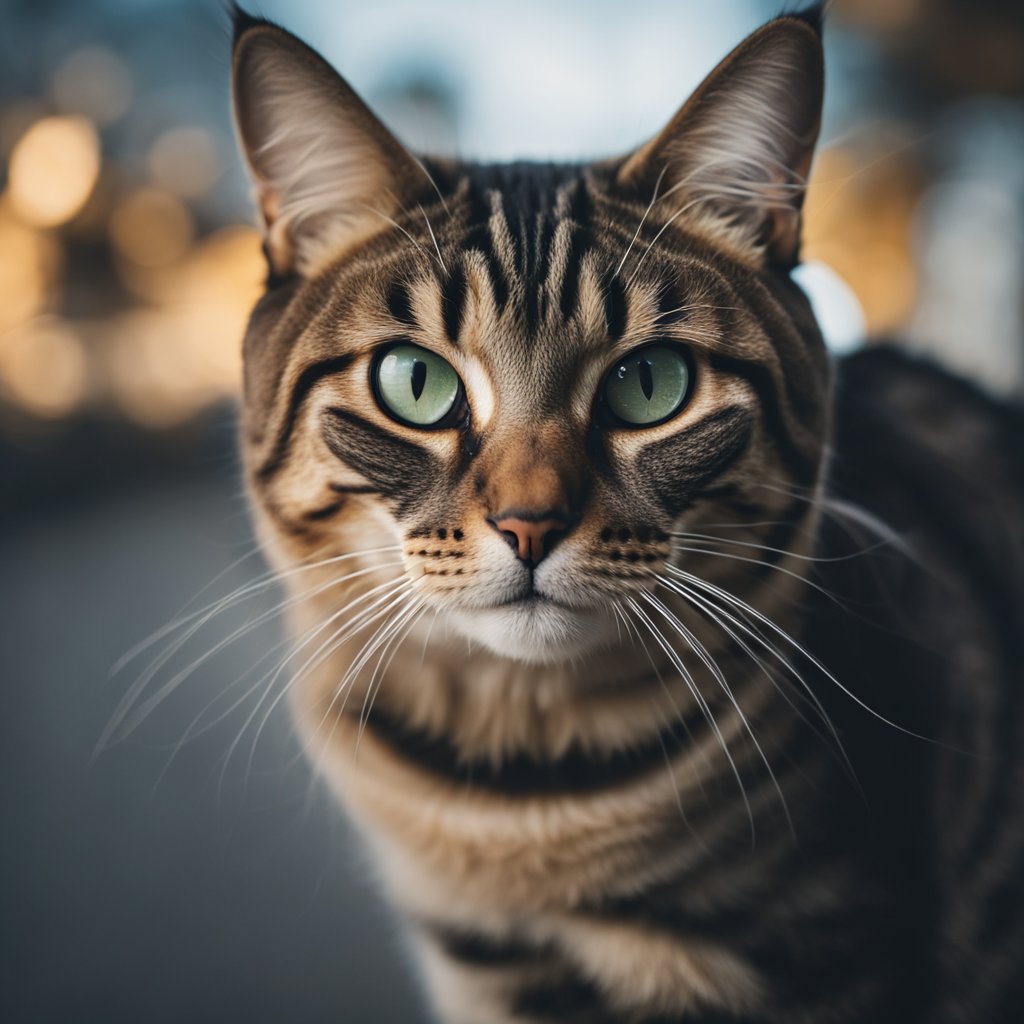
(43, 368)
(95, 83)
(30, 266)
(169, 361)
(858, 219)
(53, 170)
(185, 161)
(151, 228)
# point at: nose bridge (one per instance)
(533, 473)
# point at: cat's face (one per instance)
(521, 383)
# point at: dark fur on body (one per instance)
(656, 823)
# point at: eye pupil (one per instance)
(419, 379)
(649, 386)
(646, 377)
(415, 386)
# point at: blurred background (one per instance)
(191, 870)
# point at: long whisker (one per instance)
(256, 586)
(129, 714)
(713, 667)
(730, 624)
(729, 556)
(731, 598)
(639, 227)
(363, 619)
(390, 612)
(680, 717)
(681, 667)
(433, 238)
(411, 616)
(817, 559)
(313, 662)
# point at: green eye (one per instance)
(414, 386)
(648, 386)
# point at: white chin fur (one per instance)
(536, 633)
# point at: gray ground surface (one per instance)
(134, 889)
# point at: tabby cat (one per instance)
(669, 669)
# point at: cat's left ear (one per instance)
(327, 174)
(738, 154)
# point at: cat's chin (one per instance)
(535, 631)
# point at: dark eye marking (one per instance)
(677, 469)
(402, 471)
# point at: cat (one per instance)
(669, 668)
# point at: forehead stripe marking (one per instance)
(400, 304)
(453, 301)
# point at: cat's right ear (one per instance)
(326, 173)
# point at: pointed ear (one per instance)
(738, 153)
(326, 173)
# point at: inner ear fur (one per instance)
(738, 154)
(326, 173)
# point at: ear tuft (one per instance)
(242, 21)
(813, 15)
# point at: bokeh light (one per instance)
(29, 269)
(53, 170)
(185, 161)
(43, 367)
(151, 228)
(95, 83)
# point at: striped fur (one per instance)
(645, 779)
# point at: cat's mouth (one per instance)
(532, 598)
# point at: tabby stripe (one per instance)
(801, 381)
(764, 307)
(802, 467)
(570, 290)
(578, 203)
(670, 302)
(616, 307)
(323, 513)
(483, 951)
(677, 468)
(578, 771)
(554, 1000)
(453, 301)
(479, 238)
(308, 379)
(399, 302)
(535, 290)
(400, 470)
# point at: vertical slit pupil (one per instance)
(646, 377)
(419, 379)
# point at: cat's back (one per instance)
(933, 639)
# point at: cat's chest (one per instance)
(538, 874)
(520, 853)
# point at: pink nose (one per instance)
(529, 538)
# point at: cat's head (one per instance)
(529, 379)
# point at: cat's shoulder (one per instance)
(896, 408)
